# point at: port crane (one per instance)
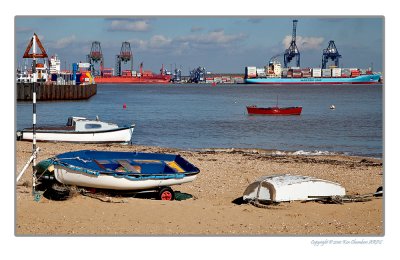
(125, 55)
(95, 56)
(292, 51)
(197, 75)
(275, 56)
(332, 53)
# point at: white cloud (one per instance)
(179, 45)
(304, 43)
(159, 41)
(137, 44)
(216, 37)
(128, 25)
(63, 42)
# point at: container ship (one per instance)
(133, 77)
(275, 74)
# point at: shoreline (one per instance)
(276, 152)
(224, 175)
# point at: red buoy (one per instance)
(124, 106)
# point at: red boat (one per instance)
(274, 111)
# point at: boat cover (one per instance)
(130, 165)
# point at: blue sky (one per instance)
(221, 44)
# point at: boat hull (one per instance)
(133, 80)
(119, 135)
(363, 79)
(274, 111)
(286, 187)
(72, 177)
(122, 170)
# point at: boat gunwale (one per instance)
(272, 108)
(62, 162)
(62, 131)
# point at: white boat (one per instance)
(81, 130)
(286, 187)
(69, 176)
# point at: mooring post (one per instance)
(34, 117)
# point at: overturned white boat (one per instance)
(286, 187)
(81, 130)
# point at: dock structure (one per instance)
(48, 92)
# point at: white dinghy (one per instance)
(286, 187)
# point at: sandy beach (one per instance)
(224, 175)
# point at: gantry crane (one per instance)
(292, 51)
(96, 56)
(330, 53)
(125, 55)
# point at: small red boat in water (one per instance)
(285, 111)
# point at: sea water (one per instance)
(198, 116)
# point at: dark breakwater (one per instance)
(55, 92)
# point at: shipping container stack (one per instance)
(363, 71)
(126, 73)
(251, 72)
(108, 72)
(355, 73)
(346, 73)
(316, 72)
(306, 73)
(261, 72)
(209, 80)
(336, 72)
(326, 73)
(296, 73)
(147, 73)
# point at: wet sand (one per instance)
(224, 175)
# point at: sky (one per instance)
(221, 44)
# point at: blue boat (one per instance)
(363, 79)
(122, 171)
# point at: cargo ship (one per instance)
(132, 77)
(275, 74)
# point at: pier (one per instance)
(47, 92)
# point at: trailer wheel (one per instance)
(166, 193)
(57, 192)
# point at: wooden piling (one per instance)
(55, 92)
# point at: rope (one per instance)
(101, 197)
(71, 158)
(325, 199)
(258, 204)
(347, 198)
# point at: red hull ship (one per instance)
(127, 77)
(155, 79)
(274, 111)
